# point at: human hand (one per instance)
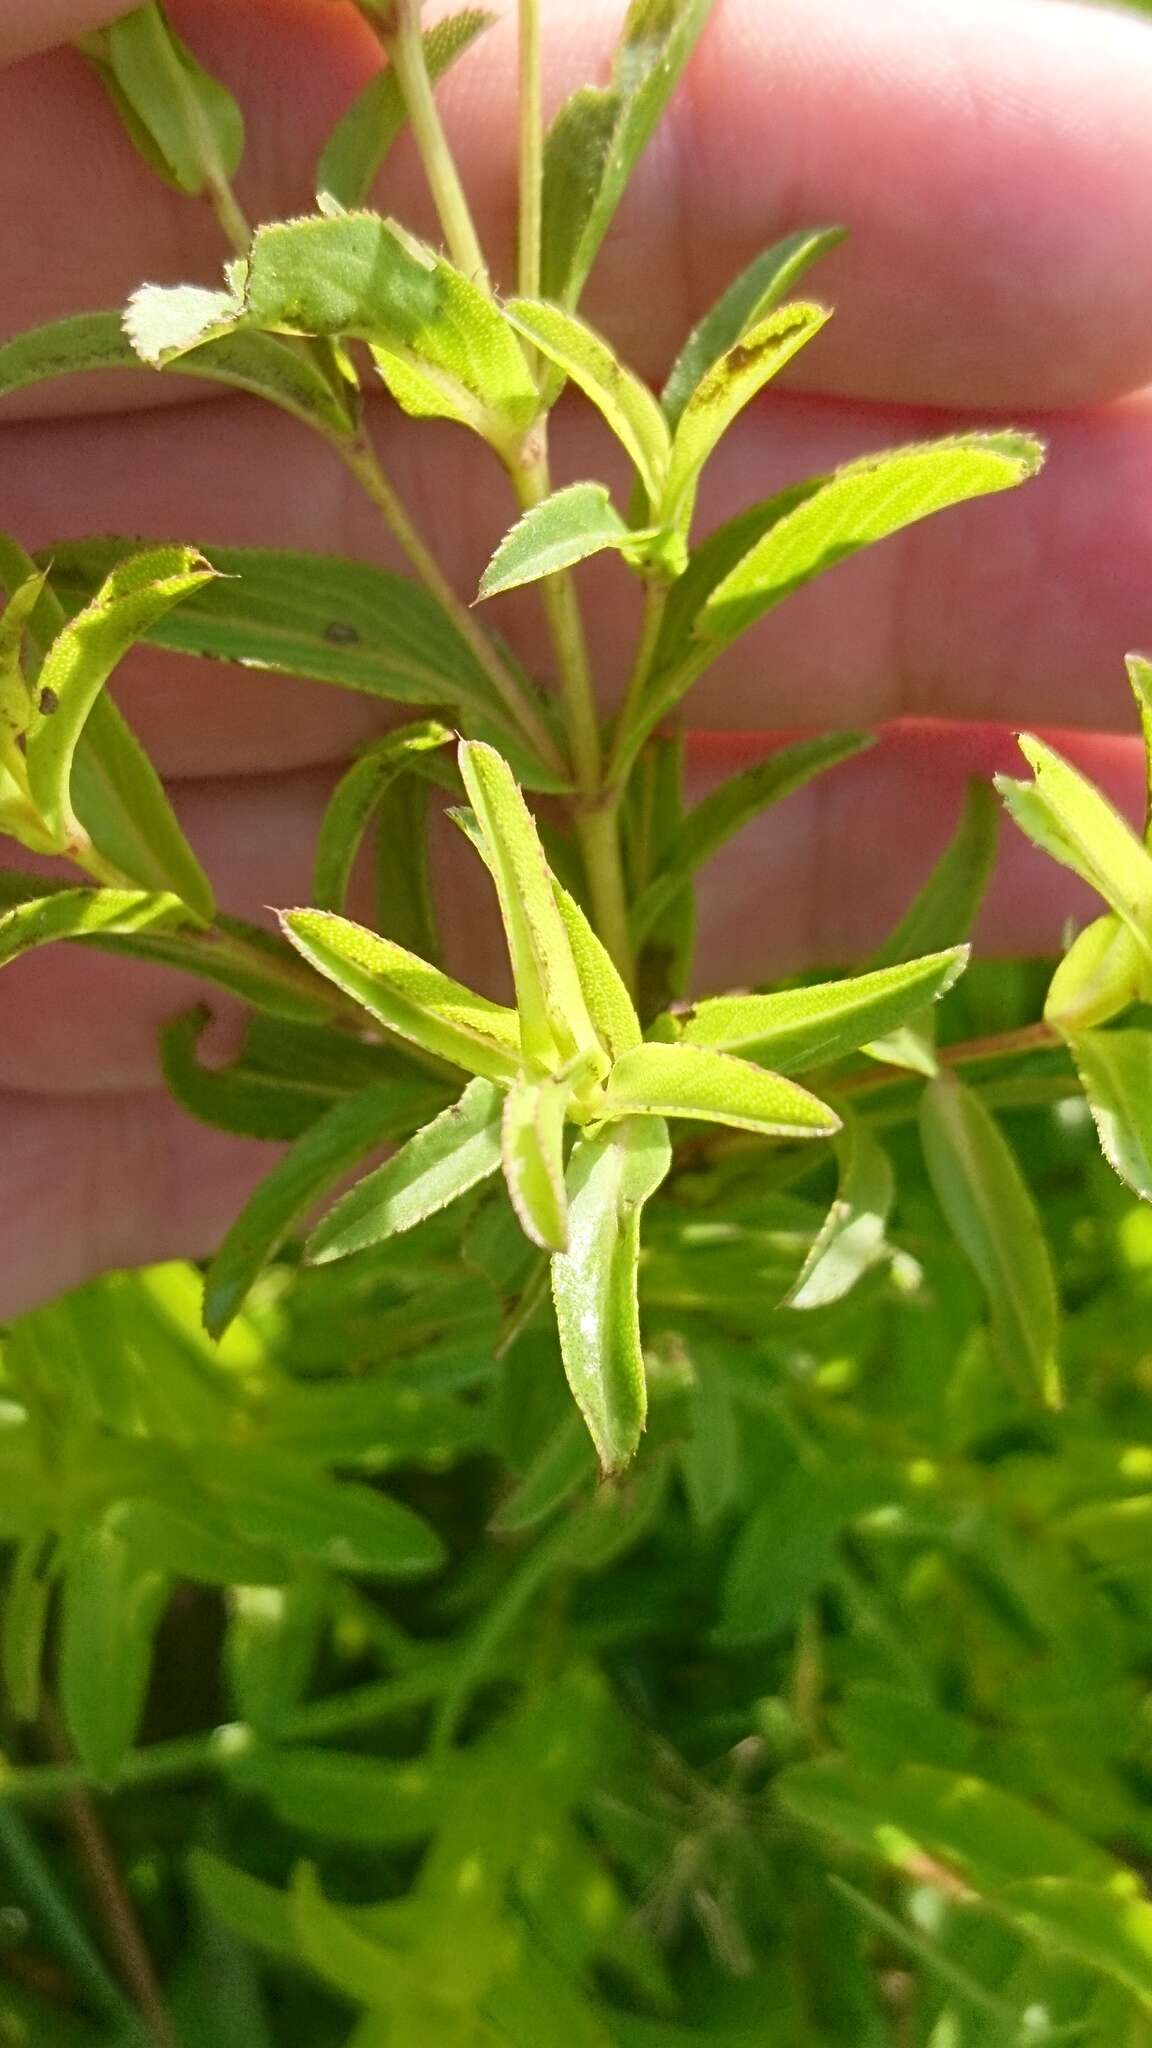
(991, 159)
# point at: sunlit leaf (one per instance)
(331, 1145)
(855, 507)
(363, 136)
(554, 1020)
(112, 1601)
(600, 134)
(808, 1027)
(627, 405)
(610, 1006)
(1140, 678)
(442, 1162)
(728, 809)
(1075, 824)
(81, 913)
(410, 997)
(852, 1237)
(992, 1211)
(749, 299)
(697, 1081)
(532, 1151)
(566, 528)
(722, 393)
(1104, 971)
(1115, 1068)
(438, 339)
(81, 658)
(594, 1281)
(319, 616)
(354, 803)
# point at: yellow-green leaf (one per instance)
(697, 1081)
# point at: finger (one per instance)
(1018, 608)
(30, 25)
(101, 1181)
(992, 163)
(816, 882)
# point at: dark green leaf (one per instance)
(354, 802)
(350, 1798)
(442, 1162)
(319, 616)
(404, 907)
(317, 1161)
(728, 809)
(363, 136)
(594, 1281)
(194, 127)
(285, 1077)
(276, 1499)
(112, 1602)
(991, 1209)
(944, 910)
(599, 136)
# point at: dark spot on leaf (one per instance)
(48, 702)
(338, 634)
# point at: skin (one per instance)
(992, 159)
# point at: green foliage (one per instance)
(661, 1557)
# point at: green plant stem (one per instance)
(404, 43)
(596, 820)
(360, 457)
(52, 1911)
(531, 150)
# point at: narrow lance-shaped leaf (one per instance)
(363, 136)
(354, 802)
(82, 913)
(808, 1027)
(627, 405)
(1140, 678)
(696, 1081)
(855, 507)
(609, 1004)
(532, 1149)
(412, 998)
(273, 1498)
(728, 809)
(451, 1155)
(316, 1162)
(723, 392)
(852, 1238)
(115, 791)
(318, 616)
(564, 529)
(82, 657)
(113, 1599)
(991, 1209)
(599, 136)
(749, 299)
(1115, 1068)
(259, 363)
(286, 1075)
(1075, 824)
(185, 123)
(594, 1281)
(554, 1021)
(942, 913)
